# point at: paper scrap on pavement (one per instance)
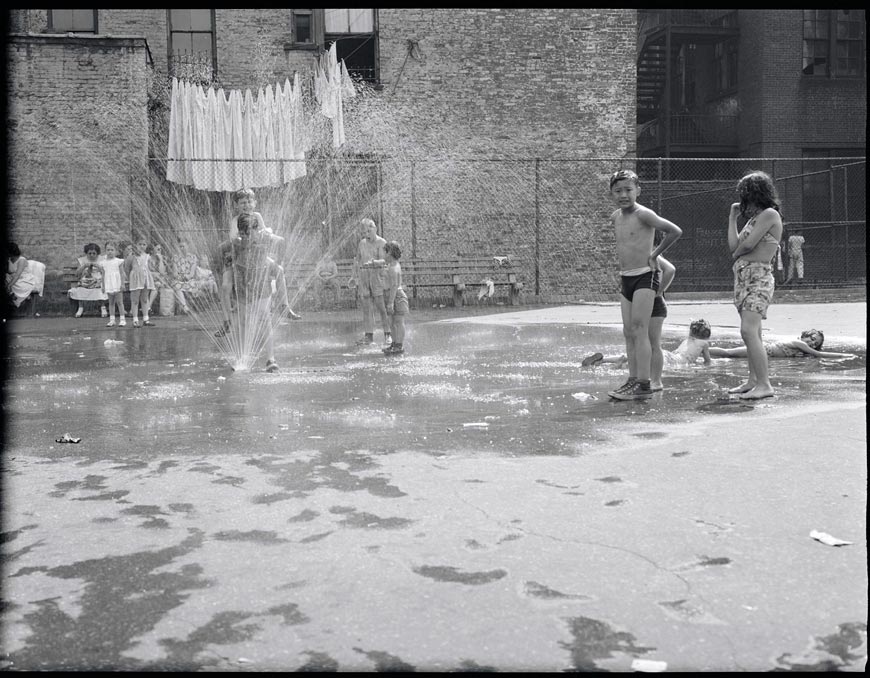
(826, 538)
(476, 424)
(648, 665)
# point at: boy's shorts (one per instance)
(753, 286)
(371, 284)
(645, 281)
(660, 308)
(400, 306)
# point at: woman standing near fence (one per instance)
(753, 250)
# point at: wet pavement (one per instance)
(476, 504)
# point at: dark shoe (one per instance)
(224, 330)
(395, 349)
(636, 391)
(593, 359)
(622, 388)
(148, 323)
(272, 366)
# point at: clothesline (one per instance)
(247, 141)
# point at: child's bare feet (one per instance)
(757, 393)
(743, 388)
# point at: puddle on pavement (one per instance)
(524, 383)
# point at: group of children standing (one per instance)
(251, 258)
(645, 275)
(140, 269)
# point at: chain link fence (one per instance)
(553, 213)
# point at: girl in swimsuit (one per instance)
(809, 344)
(752, 250)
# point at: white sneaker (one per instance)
(111, 322)
(80, 311)
(388, 339)
(122, 322)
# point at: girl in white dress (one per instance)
(113, 285)
(140, 281)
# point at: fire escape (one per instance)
(665, 128)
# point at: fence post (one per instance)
(659, 182)
(413, 226)
(537, 227)
(380, 178)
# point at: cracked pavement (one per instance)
(340, 515)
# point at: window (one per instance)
(834, 42)
(72, 20)
(725, 59)
(355, 33)
(191, 44)
(302, 28)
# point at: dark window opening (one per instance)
(72, 20)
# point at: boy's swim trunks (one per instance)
(645, 281)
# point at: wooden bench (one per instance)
(461, 273)
(301, 279)
(457, 274)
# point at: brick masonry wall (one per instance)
(783, 110)
(520, 84)
(482, 83)
(76, 125)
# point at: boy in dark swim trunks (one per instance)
(640, 274)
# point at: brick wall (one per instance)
(519, 84)
(76, 125)
(783, 110)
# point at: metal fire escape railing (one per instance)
(661, 33)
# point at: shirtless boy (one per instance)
(640, 276)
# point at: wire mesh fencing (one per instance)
(554, 213)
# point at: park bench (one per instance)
(462, 273)
(455, 274)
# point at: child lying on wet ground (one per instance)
(809, 344)
(695, 346)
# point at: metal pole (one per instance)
(537, 227)
(668, 76)
(413, 226)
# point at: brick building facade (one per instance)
(510, 92)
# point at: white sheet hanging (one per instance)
(206, 127)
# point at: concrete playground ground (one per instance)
(477, 504)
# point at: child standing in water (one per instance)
(395, 299)
(140, 280)
(113, 285)
(245, 202)
(635, 227)
(254, 274)
(753, 250)
(369, 281)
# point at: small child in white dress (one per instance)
(113, 284)
(140, 281)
